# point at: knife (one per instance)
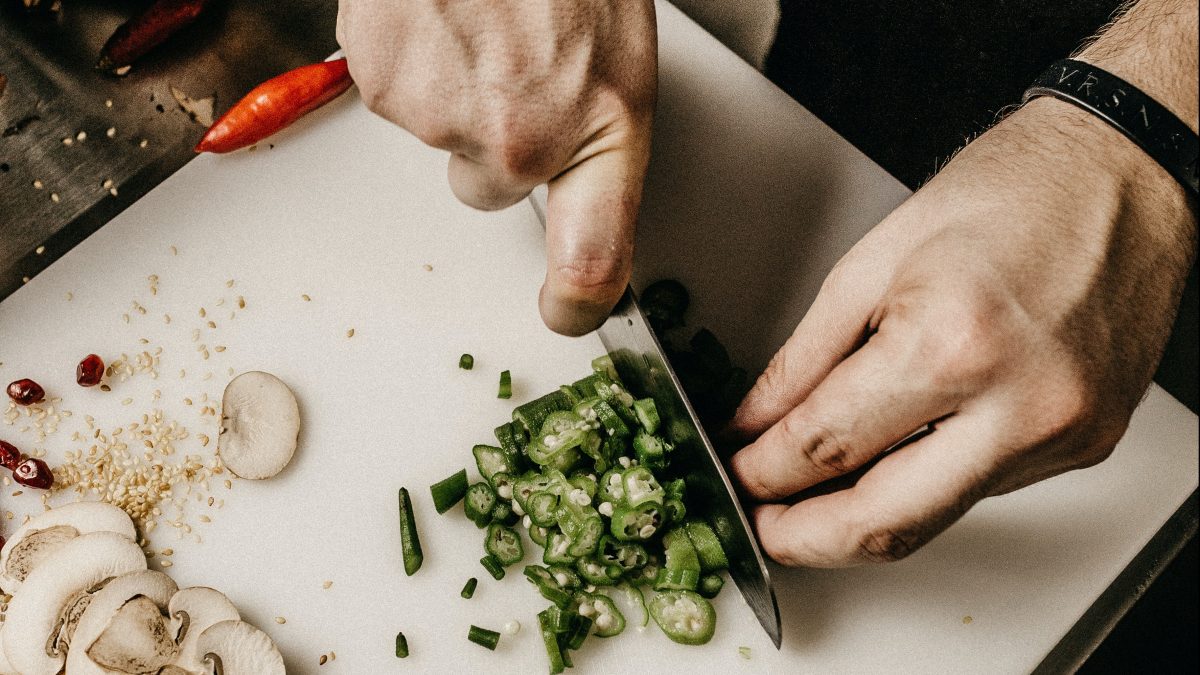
(644, 368)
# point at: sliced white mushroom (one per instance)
(260, 423)
(37, 539)
(125, 628)
(37, 615)
(237, 648)
(192, 611)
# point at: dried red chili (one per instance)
(90, 371)
(26, 391)
(275, 104)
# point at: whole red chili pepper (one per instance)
(275, 104)
(135, 37)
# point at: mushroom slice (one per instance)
(37, 539)
(260, 422)
(192, 611)
(36, 615)
(124, 628)
(237, 648)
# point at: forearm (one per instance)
(1153, 46)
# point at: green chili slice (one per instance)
(483, 637)
(410, 543)
(449, 491)
(505, 390)
(468, 590)
(401, 646)
(466, 362)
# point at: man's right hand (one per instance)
(523, 93)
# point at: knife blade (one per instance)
(643, 366)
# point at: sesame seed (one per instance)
(40, 250)
(68, 141)
(280, 620)
(112, 191)
(143, 143)
(111, 133)
(327, 585)
(108, 103)
(166, 563)
(54, 197)
(306, 297)
(350, 333)
(321, 661)
(107, 183)
(38, 185)
(81, 136)
(241, 302)
(427, 267)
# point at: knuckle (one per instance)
(964, 349)
(593, 276)
(885, 544)
(778, 549)
(818, 445)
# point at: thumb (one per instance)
(591, 213)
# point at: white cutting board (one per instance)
(750, 201)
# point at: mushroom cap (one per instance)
(76, 566)
(260, 424)
(38, 538)
(204, 607)
(105, 603)
(242, 648)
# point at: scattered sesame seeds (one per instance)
(111, 132)
(241, 302)
(166, 563)
(219, 348)
(427, 267)
(173, 250)
(280, 620)
(967, 620)
(306, 297)
(327, 585)
(68, 141)
(107, 183)
(350, 333)
(81, 136)
(38, 185)
(40, 250)
(321, 661)
(108, 103)
(112, 191)
(143, 143)
(54, 197)
(229, 283)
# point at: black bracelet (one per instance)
(1142, 119)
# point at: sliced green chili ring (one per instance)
(646, 575)
(490, 460)
(641, 487)
(493, 566)
(610, 420)
(669, 579)
(531, 415)
(611, 488)
(480, 501)
(708, 547)
(684, 616)
(466, 362)
(559, 619)
(593, 447)
(401, 646)
(626, 555)
(564, 576)
(550, 640)
(598, 573)
(505, 389)
(557, 544)
(637, 523)
(449, 491)
(468, 590)
(504, 544)
(651, 451)
(607, 619)
(547, 584)
(710, 585)
(527, 485)
(538, 534)
(410, 543)
(543, 509)
(674, 511)
(483, 637)
(585, 537)
(647, 414)
(585, 482)
(680, 553)
(604, 364)
(565, 460)
(503, 483)
(502, 514)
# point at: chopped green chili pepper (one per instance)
(610, 420)
(565, 576)
(493, 566)
(710, 585)
(670, 579)
(505, 390)
(607, 619)
(636, 523)
(604, 364)
(543, 509)
(480, 501)
(580, 627)
(557, 545)
(598, 573)
(490, 460)
(641, 487)
(531, 415)
(708, 547)
(684, 616)
(507, 436)
(651, 451)
(502, 514)
(410, 543)
(647, 414)
(483, 637)
(674, 511)
(466, 362)
(468, 590)
(550, 640)
(538, 535)
(449, 491)
(401, 646)
(504, 544)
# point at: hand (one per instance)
(1019, 303)
(557, 91)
